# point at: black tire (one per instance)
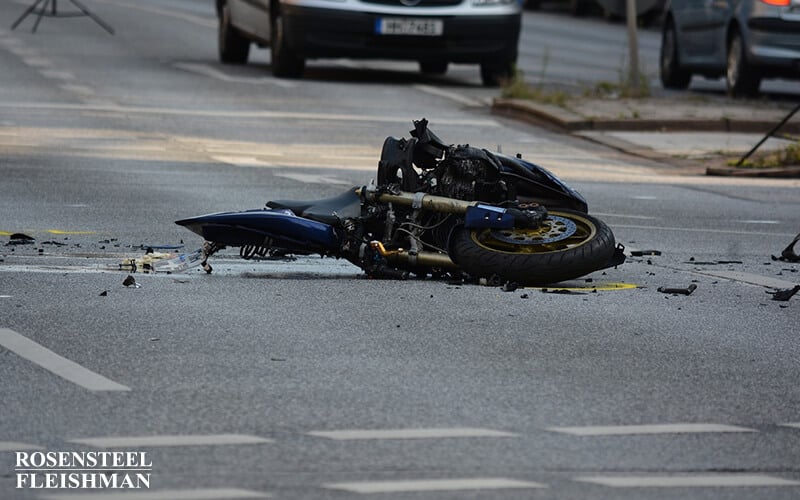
(433, 67)
(234, 48)
(285, 62)
(579, 8)
(670, 71)
(589, 248)
(496, 74)
(742, 79)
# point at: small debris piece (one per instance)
(678, 291)
(509, 286)
(561, 291)
(20, 239)
(131, 281)
(788, 254)
(784, 295)
(104, 293)
(642, 253)
(154, 339)
(524, 296)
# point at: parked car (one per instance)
(744, 40)
(432, 32)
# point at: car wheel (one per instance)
(741, 78)
(433, 67)
(496, 74)
(285, 63)
(671, 73)
(233, 47)
(579, 7)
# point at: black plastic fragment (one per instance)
(678, 291)
(20, 239)
(788, 253)
(642, 253)
(784, 295)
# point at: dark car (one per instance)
(432, 32)
(744, 40)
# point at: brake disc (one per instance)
(554, 229)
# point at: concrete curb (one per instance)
(565, 120)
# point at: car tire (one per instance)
(285, 62)
(496, 74)
(433, 67)
(670, 71)
(579, 8)
(234, 48)
(742, 79)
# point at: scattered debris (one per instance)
(784, 295)
(712, 262)
(56, 243)
(131, 281)
(561, 291)
(524, 296)
(20, 239)
(154, 339)
(104, 293)
(678, 291)
(788, 254)
(642, 253)
(509, 286)
(153, 262)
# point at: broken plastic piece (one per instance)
(642, 253)
(784, 295)
(131, 281)
(678, 291)
(20, 239)
(788, 253)
(180, 263)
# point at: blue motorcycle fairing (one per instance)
(264, 227)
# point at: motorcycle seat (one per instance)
(328, 211)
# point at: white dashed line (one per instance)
(795, 425)
(211, 72)
(622, 430)
(198, 494)
(170, 440)
(343, 435)
(427, 485)
(64, 368)
(688, 481)
(453, 96)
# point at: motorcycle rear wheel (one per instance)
(568, 245)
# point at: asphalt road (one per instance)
(303, 379)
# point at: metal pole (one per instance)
(633, 47)
(769, 134)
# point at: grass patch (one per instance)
(786, 157)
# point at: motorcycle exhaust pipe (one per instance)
(426, 259)
(419, 201)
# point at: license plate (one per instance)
(409, 26)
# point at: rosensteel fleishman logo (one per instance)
(114, 470)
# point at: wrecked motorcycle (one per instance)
(436, 210)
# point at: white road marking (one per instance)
(37, 62)
(198, 494)
(701, 230)
(688, 481)
(5, 296)
(242, 161)
(624, 216)
(410, 433)
(288, 115)
(758, 221)
(14, 446)
(314, 179)
(753, 279)
(644, 197)
(200, 21)
(57, 75)
(795, 425)
(210, 71)
(56, 364)
(623, 430)
(170, 440)
(488, 483)
(77, 89)
(453, 96)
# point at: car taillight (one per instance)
(777, 3)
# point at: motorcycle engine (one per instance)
(470, 174)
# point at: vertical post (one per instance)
(633, 47)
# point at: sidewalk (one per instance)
(677, 131)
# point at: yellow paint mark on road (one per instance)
(589, 287)
(59, 231)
